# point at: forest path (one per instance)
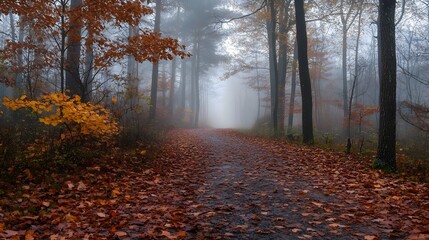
(260, 189)
(220, 184)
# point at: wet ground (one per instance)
(220, 184)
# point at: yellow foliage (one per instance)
(59, 109)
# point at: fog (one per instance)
(232, 104)
(224, 82)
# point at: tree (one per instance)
(63, 29)
(292, 90)
(347, 19)
(155, 66)
(355, 79)
(200, 32)
(284, 28)
(274, 76)
(304, 73)
(73, 79)
(386, 150)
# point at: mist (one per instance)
(222, 78)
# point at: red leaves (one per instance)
(147, 46)
(174, 198)
(53, 21)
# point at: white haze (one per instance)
(232, 103)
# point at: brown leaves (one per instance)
(175, 199)
(167, 234)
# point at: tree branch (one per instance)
(263, 4)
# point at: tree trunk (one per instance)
(88, 73)
(164, 86)
(193, 77)
(258, 88)
(183, 86)
(172, 84)
(197, 83)
(304, 74)
(74, 37)
(292, 90)
(271, 30)
(173, 78)
(386, 151)
(354, 88)
(132, 72)
(282, 66)
(344, 71)
(155, 66)
(19, 74)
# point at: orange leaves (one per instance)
(146, 46)
(57, 20)
(360, 112)
(175, 236)
(80, 119)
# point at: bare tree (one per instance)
(386, 151)
(304, 73)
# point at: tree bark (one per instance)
(155, 66)
(173, 78)
(197, 82)
(193, 77)
(19, 74)
(344, 71)
(88, 73)
(304, 74)
(132, 71)
(346, 23)
(172, 84)
(354, 88)
(282, 65)
(183, 86)
(386, 150)
(74, 37)
(271, 30)
(292, 90)
(258, 88)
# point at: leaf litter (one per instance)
(219, 184)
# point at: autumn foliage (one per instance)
(75, 118)
(87, 29)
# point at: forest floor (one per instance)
(220, 184)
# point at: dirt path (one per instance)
(253, 193)
(218, 184)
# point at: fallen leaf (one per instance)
(29, 235)
(418, 237)
(115, 192)
(9, 234)
(70, 218)
(70, 185)
(102, 215)
(370, 237)
(81, 186)
(168, 235)
(303, 192)
(121, 234)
